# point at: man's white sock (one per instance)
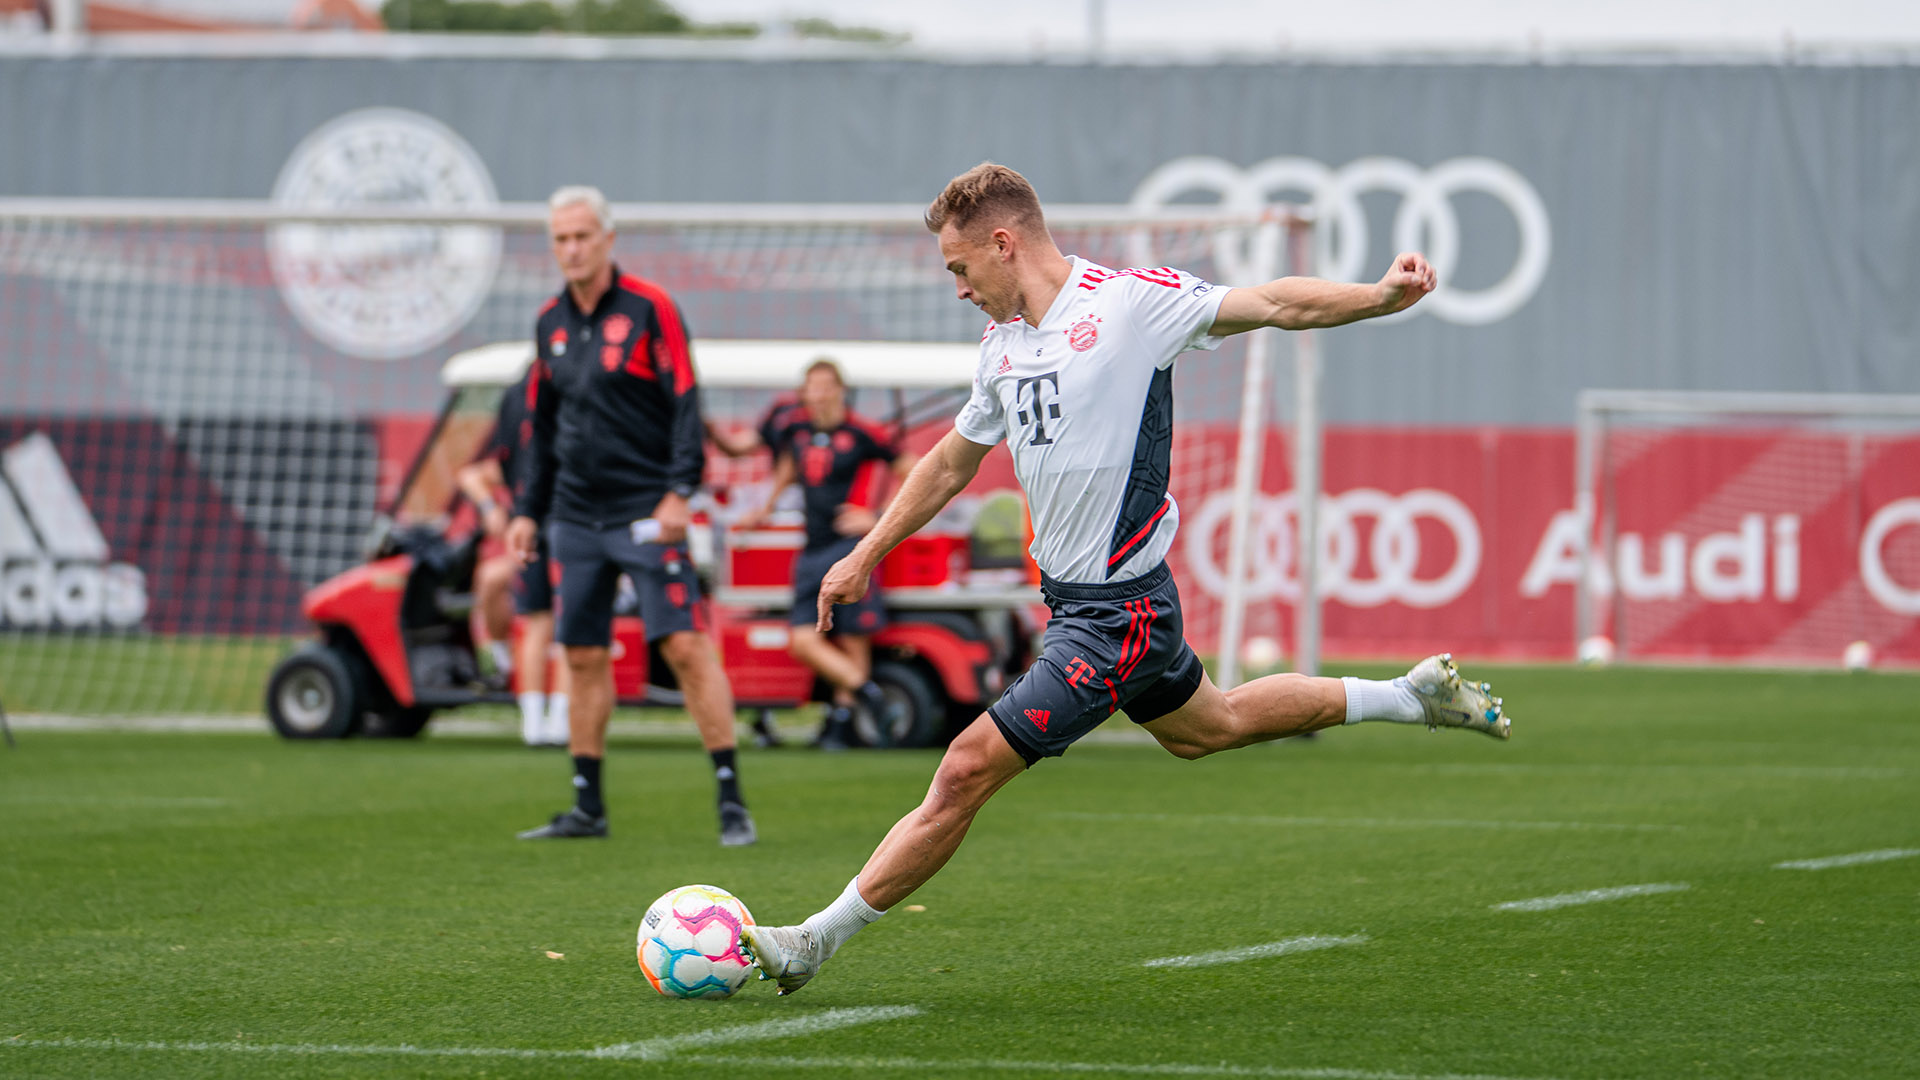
(502, 656)
(1371, 699)
(533, 712)
(835, 923)
(559, 730)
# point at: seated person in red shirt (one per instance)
(831, 453)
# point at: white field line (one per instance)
(1257, 952)
(666, 1046)
(1855, 859)
(1591, 896)
(947, 1067)
(1362, 822)
(646, 1050)
(450, 724)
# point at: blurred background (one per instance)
(215, 378)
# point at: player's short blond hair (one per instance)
(987, 194)
(583, 195)
(825, 363)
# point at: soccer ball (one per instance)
(1858, 656)
(689, 944)
(1597, 651)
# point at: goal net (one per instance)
(1749, 527)
(208, 404)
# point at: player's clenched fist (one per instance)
(845, 583)
(1407, 280)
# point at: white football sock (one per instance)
(533, 710)
(1371, 699)
(502, 656)
(836, 922)
(559, 729)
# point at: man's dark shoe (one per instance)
(764, 735)
(836, 733)
(736, 826)
(572, 823)
(883, 713)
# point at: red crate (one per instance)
(922, 562)
(758, 558)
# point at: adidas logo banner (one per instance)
(55, 569)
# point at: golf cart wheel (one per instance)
(312, 695)
(922, 707)
(397, 722)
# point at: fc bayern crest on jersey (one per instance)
(1083, 335)
(616, 329)
(843, 441)
(557, 344)
(384, 291)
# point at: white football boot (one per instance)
(1450, 701)
(790, 955)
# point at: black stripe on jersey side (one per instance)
(1140, 507)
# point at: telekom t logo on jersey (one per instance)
(1034, 415)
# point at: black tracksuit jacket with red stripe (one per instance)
(616, 415)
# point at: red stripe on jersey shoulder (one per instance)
(880, 433)
(1159, 275)
(673, 336)
(548, 306)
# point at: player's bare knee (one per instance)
(962, 782)
(684, 650)
(798, 645)
(587, 659)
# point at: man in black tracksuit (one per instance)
(617, 451)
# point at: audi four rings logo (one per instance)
(1425, 221)
(1393, 548)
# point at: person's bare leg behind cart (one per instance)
(845, 661)
(552, 714)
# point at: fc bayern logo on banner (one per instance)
(384, 291)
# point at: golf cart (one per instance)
(394, 637)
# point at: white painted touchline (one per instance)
(1256, 952)
(1591, 896)
(646, 1050)
(1855, 859)
(655, 1049)
(1359, 822)
(946, 1067)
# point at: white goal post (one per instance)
(1767, 467)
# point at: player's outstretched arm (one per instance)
(934, 481)
(1306, 303)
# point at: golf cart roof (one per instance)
(735, 364)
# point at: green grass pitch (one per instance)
(233, 905)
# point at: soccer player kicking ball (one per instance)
(1076, 373)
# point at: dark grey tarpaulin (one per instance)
(1716, 226)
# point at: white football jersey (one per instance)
(1085, 402)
